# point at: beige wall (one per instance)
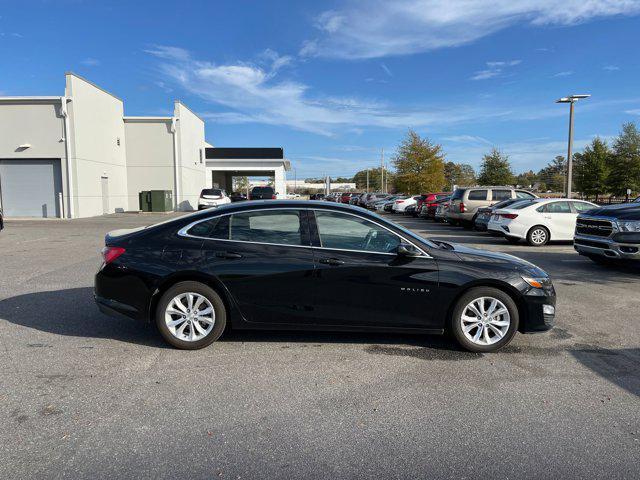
(191, 144)
(150, 157)
(96, 125)
(37, 123)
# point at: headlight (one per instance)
(630, 226)
(536, 282)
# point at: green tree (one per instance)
(460, 174)
(419, 165)
(624, 164)
(527, 179)
(554, 174)
(360, 179)
(591, 168)
(495, 169)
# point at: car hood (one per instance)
(624, 211)
(477, 254)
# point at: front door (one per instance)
(264, 260)
(362, 282)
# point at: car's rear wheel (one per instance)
(191, 315)
(538, 236)
(484, 319)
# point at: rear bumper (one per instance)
(606, 247)
(116, 309)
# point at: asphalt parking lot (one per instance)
(83, 395)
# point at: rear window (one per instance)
(521, 194)
(522, 204)
(212, 192)
(458, 194)
(478, 195)
(262, 190)
(277, 226)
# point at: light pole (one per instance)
(571, 99)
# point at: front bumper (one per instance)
(606, 247)
(539, 317)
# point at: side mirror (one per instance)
(407, 250)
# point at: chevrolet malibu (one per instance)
(300, 265)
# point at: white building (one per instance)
(78, 155)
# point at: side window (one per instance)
(265, 226)
(499, 195)
(477, 194)
(521, 194)
(348, 232)
(582, 207)
(558, 207)
(217, 227)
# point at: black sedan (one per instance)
(301, 265)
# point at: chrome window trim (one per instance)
(183, 231)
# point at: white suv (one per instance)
(212, 198)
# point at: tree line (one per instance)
(420, 165)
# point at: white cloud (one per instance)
(611, 68)
(633, 112)
(564, 74)
(386, 70)
(495, 69)
(251, 93)
(90, 62)
(378, 28)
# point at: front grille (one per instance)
(589, 226)
(591, 243)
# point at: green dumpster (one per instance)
(161, 200)
(144, 199)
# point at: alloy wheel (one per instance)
(485, 321)
(539, 236)
(190, 316)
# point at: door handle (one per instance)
(332, 261)
(228, 255)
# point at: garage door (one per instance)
(30, 187)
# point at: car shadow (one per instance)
(617, 366)
(72, 312)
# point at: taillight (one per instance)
(109, 254)
(462, 207)
(510, 216)
(273, 197)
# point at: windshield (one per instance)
(262, 190)
(212, 192)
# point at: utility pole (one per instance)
(571, 99)
(382, 171)
(367, 180)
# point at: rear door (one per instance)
(264, 259)
(362, 282)
(561, 219)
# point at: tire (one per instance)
(492, 325)
(538, 236)
(512, 240)
(211, 300)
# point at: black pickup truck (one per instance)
(609, 233)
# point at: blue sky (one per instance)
(334, 82)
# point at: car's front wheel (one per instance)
(484, 319)
(191, 315)
(538, 236)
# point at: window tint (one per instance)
(262, 190)
(212, 192)
(217, 227)
(558, 207)
(582, 207)
(477, 195)
(522, 204)
(277, 226)
(349, 232)
(521, 194)
(458, 194)
(499, 195)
